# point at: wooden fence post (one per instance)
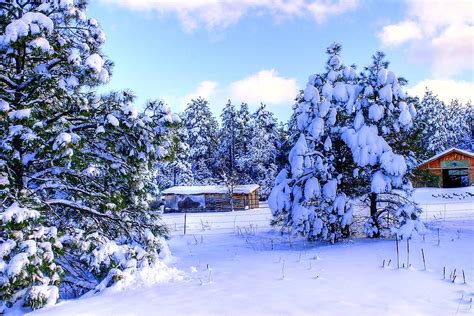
(185, 223)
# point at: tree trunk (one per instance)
(373, 213)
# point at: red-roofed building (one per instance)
(454, 168)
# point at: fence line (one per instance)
(253, 220)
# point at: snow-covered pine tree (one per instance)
(263, 150)
(176, 169)
(468, 140)
(70, 160)
(307, 197)
(376, 138)
(202, 129)
(458, 123)
(226, 153)
(243, 137)
(432, 121)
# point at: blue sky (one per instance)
(255, 51)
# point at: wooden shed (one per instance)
(210, 198)
(454, 168)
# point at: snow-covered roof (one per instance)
(209, 189)
(447, 151)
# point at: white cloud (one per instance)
(223, 13)
(396, 34)
(440, 32)
(206, 89)
(264, 86)
(446, 90)
(321, 10)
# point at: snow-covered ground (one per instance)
(240, 274)
(235, 264)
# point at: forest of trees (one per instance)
(79, 170)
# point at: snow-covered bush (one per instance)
(28, 271)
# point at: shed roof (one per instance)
(441, 154)
(209, 189)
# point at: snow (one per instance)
(379, 183)
(49, 293)
(329, 189)
(311, 94)
(6, 247)
(4, 106)
(18, 214)
(20, 114)
(209, 189)
(312, 189)
(112, 120)
(382, 77)
(324, 108)
(104, 75)
(327, 91)
(316, 128)
(41, 43)
(296, 156)
(340, 92)
(386, 93)
(16, 264)
(327, 144)
(375, 112)
(349, 73)
(264, 273)
(95, 62)
(63, 139)
(15, 30)
(30, 21)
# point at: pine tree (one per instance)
(202, 128)
(377, 139)
(226, 153)
(70, 160)
(432, 122)
(176, 169)
(243, 137)
(264, 150)
(458, 124)
(307, 197)
(352, 134)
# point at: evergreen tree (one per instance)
(467, 142)
(346, 128)
(378, 142)
(459, 124)
(264, 150)
(176, 169)
(226, 153)
(432, 122)
(243, 138)
(307, 197)
(71, 163)
(202, 128)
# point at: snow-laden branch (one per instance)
(80, 207)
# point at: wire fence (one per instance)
(447, 211)
(218, 222)
(251, 221)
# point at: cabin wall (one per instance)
(435, 167)
(211, 202)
